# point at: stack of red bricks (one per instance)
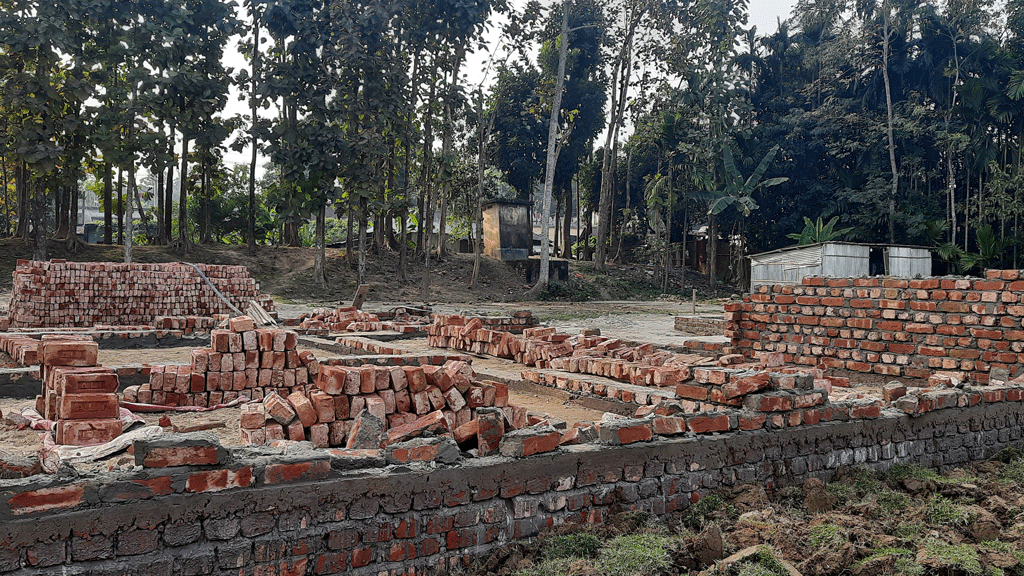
(397, 396)
(188, 324)
(78, 394)
(889, 326)
(22, 349)
(241, 361)
(59, 293)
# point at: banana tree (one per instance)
(737, 193)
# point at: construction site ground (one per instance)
(632, 321)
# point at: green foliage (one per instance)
(578, 545)
(1013, 471)
(816, 231)
(635, 554)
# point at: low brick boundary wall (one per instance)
(339, 511)
(60, 293)
(888, 326)
(700, 325)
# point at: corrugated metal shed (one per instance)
(837, 259)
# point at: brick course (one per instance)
(887, 326)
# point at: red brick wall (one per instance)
(888, 326)
(59, 293)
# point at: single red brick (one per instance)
(87, 432)
(88, 406)
(303, 408)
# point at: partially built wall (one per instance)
(888, 326)
(297, 511)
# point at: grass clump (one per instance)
(1006, 548)
(903, 565)
(844, 493)
(1013, 471)
(831, 535)
(908, 530)
(579, 545)
(572, 290)
(635, 554)
(958, 556)
(904, 471)
(556, 567)
(893, 502)
(700, 513)
(763, 563)
(940, 510)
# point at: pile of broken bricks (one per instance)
(350, 319)
(353, 407)
(60, 294)
(949, 390)
(242, 360)
(78, 394)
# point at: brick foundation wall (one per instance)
(888, 326)
(338, 511)
(59, 293)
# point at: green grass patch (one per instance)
(893, 502)
(572, 290)
(831, 535)
(903, 565)
(556, 567)
(904, 471)
(699, 514)
(579, 545)
(943, 511)
(763, 563)
(909, 529)
(958, 556)
(635, 554)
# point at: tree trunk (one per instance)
(108, 203)
(252, 129)
(567, 224)
(622, 67)
(350, 235)
(128, 214)
(320, 256)
(363, 209)
(169, 191)
(183, 193)
(120, 206)
(889, 121)
(712, 253)
(552, 152)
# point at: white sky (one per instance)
(764, 14)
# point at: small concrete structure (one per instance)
(508, 229)
(838, 259)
